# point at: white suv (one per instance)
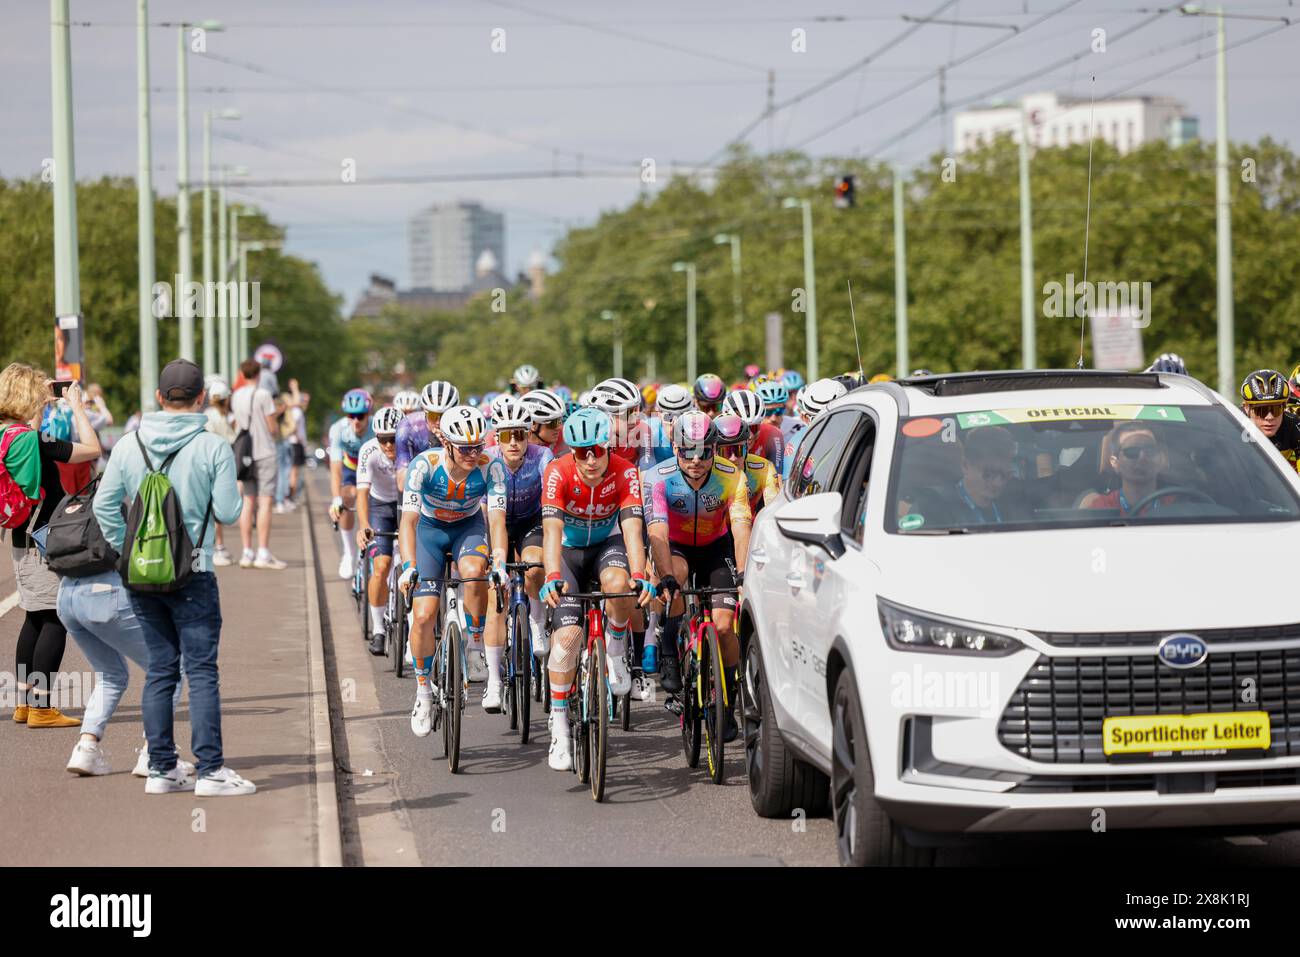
(1025, 601)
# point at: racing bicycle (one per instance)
(523, 670)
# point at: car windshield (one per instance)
(1082, 466)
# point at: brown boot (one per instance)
(50, 718)
(20, 714)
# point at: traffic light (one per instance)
(844, 192)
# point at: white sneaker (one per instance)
(422, 717)
(477, 661)
(221, 557)
(174, 780)
(223, 782)
(141, 769)
(643, 689)
(246, 560)
(271, 562)
(540, 643)
(346, 570)
(560, 756)
(620, 678)
(88, 760)
(279, 508)
(492, 698)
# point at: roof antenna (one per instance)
(862, 376)
(1087, 216)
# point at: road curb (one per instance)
(329, 839)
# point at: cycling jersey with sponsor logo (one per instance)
(431, 491)
(345, 444)
(698, 516)
(591, 513)
(517, 493)
(412, 438)
(763, 479)
(377, 470)
(768, 443)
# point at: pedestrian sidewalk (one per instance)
(275, 731)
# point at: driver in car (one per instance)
(1139, 457)
(988, 464)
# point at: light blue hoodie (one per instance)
(203, 469)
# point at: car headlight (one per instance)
(909, 630)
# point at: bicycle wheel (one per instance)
(598, 717)
(625, 702)
(578, 727)
(450, 654)
(712, 684)
(690, 711)
(363, 597)
(523, 661)
(397, 647)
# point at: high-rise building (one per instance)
(1061, 121)
(446, 241)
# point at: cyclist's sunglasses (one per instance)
(553, 424)
(590, 452)
(512, 435)
(731, 451)
(1271, 410)
(357, 416)
(474, 450)
(433, 418)
(387, 439)
(694, 454)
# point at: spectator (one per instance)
(221, 423)
(254, 409)
(298, 441)
(283, 453)
(32, 462)
(266, 379)
(186, 621)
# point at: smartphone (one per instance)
(60, 386)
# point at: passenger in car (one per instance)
(977, 498)
(1139, 457)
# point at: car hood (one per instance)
(1098, 579)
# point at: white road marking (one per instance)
(8, 604)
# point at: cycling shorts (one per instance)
(580, 567)
(525, 533)
(349, 477)
(435, 540)
(383, 518)
(708, 563)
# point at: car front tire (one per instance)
(779, 783)
(864, 833)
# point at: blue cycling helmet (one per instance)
(773, 393)
(572, 406)
(563, 391)
(1169, 362)
(586, 427)
(792, 380)
(356, 402)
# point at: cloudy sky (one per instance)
(415, 90)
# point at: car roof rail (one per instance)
(1017, 380)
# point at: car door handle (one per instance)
(794, 580)
(758, 556)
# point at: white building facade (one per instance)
(1053, 120)
(446, 241)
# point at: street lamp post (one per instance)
(689, 269)
(810, 286)
(900, 279)
(251, 246)
(610, 316)
(232, 302)
(213, 360)
(144, 210)
(733, 239)
(67, 283)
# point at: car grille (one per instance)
(1056, 713)
(1115, 639)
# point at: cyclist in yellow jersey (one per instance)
(733, 445)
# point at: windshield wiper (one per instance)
(940, 531)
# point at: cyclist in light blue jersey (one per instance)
(346, 437)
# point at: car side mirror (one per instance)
(814, 520)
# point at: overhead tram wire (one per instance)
(824, 84)
(579, 155)
(934, 75)
(478, 177)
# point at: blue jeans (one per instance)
(98, 615)
(284, 456)
(189, 622)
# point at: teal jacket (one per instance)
(203, 470)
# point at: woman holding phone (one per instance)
(32, 462)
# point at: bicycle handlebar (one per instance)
(600, 595)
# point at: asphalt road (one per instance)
(506, 806)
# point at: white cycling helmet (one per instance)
(745, 405)
(526, 376)
(386, 420)
(439, 396)
(616, 395)
(408, 400)
(545, 406)
(464, 425)
(674, 399)
(815, 396)
(511, 412)
(585, 398)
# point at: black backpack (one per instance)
(243, 449)
(74, 545)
